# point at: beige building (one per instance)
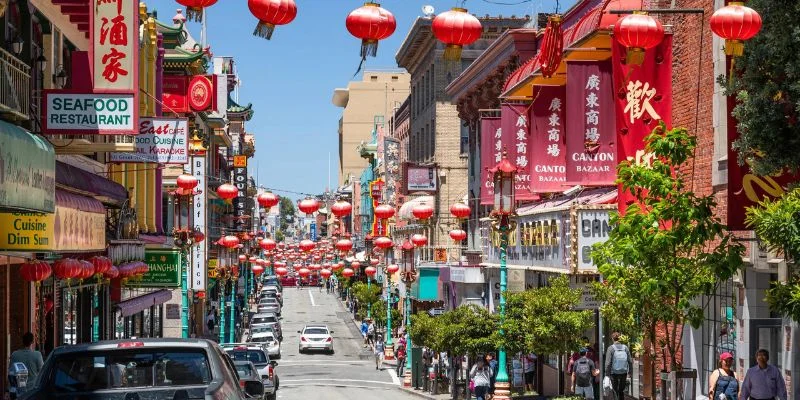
(365, 102)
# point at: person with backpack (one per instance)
(618, 364)
(723, 383)
(370, 332)
(583, 373)
(480, 379)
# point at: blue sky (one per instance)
(290, 79)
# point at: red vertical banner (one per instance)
(516, 128)
(643, 97)
(547, 142)
(591, 157)
(491, 152)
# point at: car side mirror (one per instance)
(274, 363)
(254, 388)
(299, 332)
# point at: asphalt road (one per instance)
(349, 373)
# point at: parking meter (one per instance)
(18, 378)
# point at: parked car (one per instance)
(271, 292)
(267, 319)
(150, 368)
(260, 359)
(261, 329)
(250, 380)
(315, 337)
(269, 342)
(273, 280)
(269, 304)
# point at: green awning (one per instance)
(28, 177)
(427, 286)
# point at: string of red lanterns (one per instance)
(371, 23)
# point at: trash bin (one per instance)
(417, 368)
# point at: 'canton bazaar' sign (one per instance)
(114, 30)
(513, 138)
(161, 140)
(89, 113)
(491, 133)
(547, 142)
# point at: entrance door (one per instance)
(766, 333)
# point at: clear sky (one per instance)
(290, 79)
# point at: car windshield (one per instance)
(86, 372)
(316, 331)
(243, 370)
(264, 320)
(261, 329)
(263, 339)
(269, 300)
(254, 356)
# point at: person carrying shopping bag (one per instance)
(480, 379)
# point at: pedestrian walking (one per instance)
(379, 347)
(211, 320)
(620, 364)
(400, 355)
(763, 381)
(492, 363)
(723, 383)
(480, 379)
(583, 373)
(29, 356)
(529, 366)
(364, 330)
(370, 332)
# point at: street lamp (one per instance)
(368, 255)
(503, 175)
(183, 235)
(16, 45)
(409, 276)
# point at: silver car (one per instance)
(269, 304)
(270, 319)
(268, 341)
(315, 337)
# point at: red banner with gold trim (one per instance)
(516, 128)
(547, 143)
(491, 152)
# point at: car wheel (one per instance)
(270, 397)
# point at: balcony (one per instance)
(15, 87)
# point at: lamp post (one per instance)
(409, 276)
(183, 235)
(390, 270)
(503, 175)
(231, 300)
(368, 252)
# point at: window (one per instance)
(464, 140)
(254, 356)
(395, 78)
(719, 330)
(315, 331)
(373, 78)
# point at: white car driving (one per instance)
(315, 337)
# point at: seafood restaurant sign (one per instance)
(161, 140)
(90, 113)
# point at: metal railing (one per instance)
(15, 85)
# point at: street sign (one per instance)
(313, 231)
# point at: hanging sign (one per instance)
(491, 154)
(197, 167)
(201, 92)
(514, 128)
(240, 202)
(71, 113)
(591, 157)
(175, 94)
(643, 97)
(164, 269)
(115, 46)
(160, 140)
(27, 171)
(590, 226)
(547, 140)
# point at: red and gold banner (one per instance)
(643, 98)
(547, 144)
(491, 152)
(175, 94)
(516, 128)
(591, 157)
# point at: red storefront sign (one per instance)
(115, 46)
(201, 92)
(515, 129)
(491, 153)
(547, 145)
(175, 94)
(643, 96)
(591, 157)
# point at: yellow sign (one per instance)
(440, 255)
(68, 229)
(212, 267)
(240, 161)
(27, 231)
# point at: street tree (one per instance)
(365, 294)
(666, 250)
(287, 213)
(777, 224)
(379, 314)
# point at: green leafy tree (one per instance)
(667, 249)
(766, 87)
(366, 294)
(379, 314)
(279, 236)
(424, 331)
(777, 223)
(287, 213)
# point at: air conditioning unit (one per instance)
(763, 259)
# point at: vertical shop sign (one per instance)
(547, 142)
(591, 157)
(198, 271)
(491, 153)
(515, 128)
(391, 163)
(114, 30)
(240, 202)
(643, 97)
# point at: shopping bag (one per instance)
(471, 385)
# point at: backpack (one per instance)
(619, 362)
(583, 372)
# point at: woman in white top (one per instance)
(481, 374)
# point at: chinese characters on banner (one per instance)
(491, 139)
(115, 44)
(240, 202)
(197, 277)
(515, 127)
(643, 97)
(591, 157)
(547, 142)
(175, 94)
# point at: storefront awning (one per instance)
(590, 197)
(139, 304)
(101, 188)
(405, 209)
(30, 169)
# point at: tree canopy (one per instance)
(468, 329)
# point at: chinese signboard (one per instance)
(197, 167)
(491, 134)
(164, 269)
(548, 146)
(89, 113)
(514, 128)
(420, 178)
(391, 164)
(240, 202)
(440, 255)
(160, 140)
(591, 157)
(240, 161)
(644, 100)
(115, 45)
(591, 226)
(175, 93)
(312, 231)
(27, 171)
(202, 91)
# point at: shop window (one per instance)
(719, 330)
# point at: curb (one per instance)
(418, 393)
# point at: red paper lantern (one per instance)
(552, 46)
(186, 182)
(456, 28)
(112, 273)
(383, 242)
(304, 272)
(374, 262)
(307, 245)
(194, 8)
(348, 272)
(341, 209)
(198, 237)
(419, 240)
(35, 271)
(281, 271)
(87, 270)
(370, 23)
(344, 245)
(422, 212)
(735, 23)
(458, 235)
(370, 271)
(100, 265)
(355, 265)
(252, 259)
(460, 210)
(268, 200)
(200, 294)
(226, 191)
(267, 244)
(325, 273)
(384, 211)
(392, 268)
(242, 258)
(271, 13)
(308, 206)
(230, 241)
(337, 266)
(638, 32)
(66, 268)
(258, 270)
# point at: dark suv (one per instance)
(138, 369)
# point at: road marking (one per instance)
(321, 364)
(393, 374)
(284, 381)
(323, 361)
(311, 296)
(337, 385)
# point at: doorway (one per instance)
(767, 333)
